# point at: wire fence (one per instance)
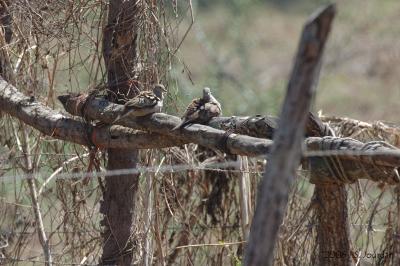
(218, 167)
(188, 207)
(196, 208)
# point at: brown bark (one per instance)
(41, 117)
(6, 20)
(118, 203)
(255, 126)
(260, 127)
(6, 35)
(394, 253)
(59, 126)
(330, 203)
(286, 151)
(333, 225)
(354, 160)
(118, 207)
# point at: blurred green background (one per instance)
(244, 49)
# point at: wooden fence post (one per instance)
(118, 204)
(333, 225)
(286, 151)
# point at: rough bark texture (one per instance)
(330, 170)
(6, 31)
(6, 20)
(286, 151)
(330, 198)
(395, 256)
(118, 203)
(41, 117)
(255, 126)
(333, 225)
(57, 125)
(118, 209)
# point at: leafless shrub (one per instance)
(185, 217)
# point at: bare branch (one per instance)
(59, 126)
(44, 241)
(255, 126)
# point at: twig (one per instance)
(245, 196)
(148, 212)
(187, 30)
(58, 170)
(34, 198)
(211, 245)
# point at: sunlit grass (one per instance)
(246, 56)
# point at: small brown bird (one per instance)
(201, 110)
(145, 103)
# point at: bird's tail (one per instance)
(121, 115)
(117, 119)
(181, 125)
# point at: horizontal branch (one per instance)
(254, 126)
(39, 116)
(363, 131)
(59, 126)
(345, 160)
(105, 111)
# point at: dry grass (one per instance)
(242, 54)
(248, 54)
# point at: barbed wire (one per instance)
(174, 228)
(43, 262)
(130, 171)
(201, 167)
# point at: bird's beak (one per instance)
(161, 87)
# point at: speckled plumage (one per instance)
(145, 103)
(201, 110)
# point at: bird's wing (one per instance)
(192, 113)
(212, 109)
(192, 110)
(145, 99)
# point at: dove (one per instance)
(201, 110)
(145, 103)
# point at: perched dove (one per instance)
(201, 110)
(145, 103)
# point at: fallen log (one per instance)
(97, 108)
(57, 125)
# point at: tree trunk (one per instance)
(6, 31)
(118, 207)
(333, 225)
(119, 45)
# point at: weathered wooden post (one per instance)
(286, 151)
(118, 205)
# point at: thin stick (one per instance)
(148, 209)
(58, 170)
(244, 196)
(211, 245)
(44, 242)
(157, 233)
